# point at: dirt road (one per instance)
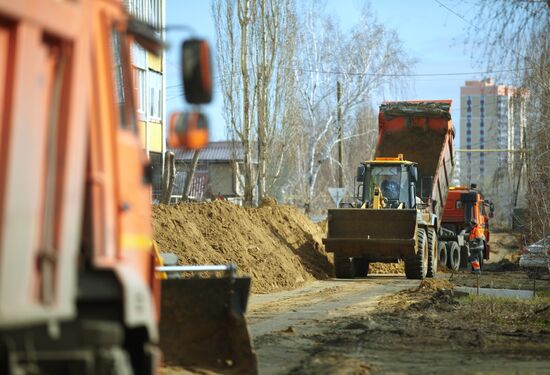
(285, 325)
(368, 326)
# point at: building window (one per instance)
(468, 140)
(141, 93)
(482, 132)
(155, 95)
(146, 10)
(468, 132)
(482, 140)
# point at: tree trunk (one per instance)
(189, 175)
(168, 177)
(244, 21)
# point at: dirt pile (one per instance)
(505, 246)
(383, 268)
(277, 245)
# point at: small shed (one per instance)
(219, 172)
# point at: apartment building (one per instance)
(492, 118)
(150, 86)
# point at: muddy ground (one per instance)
(304, 322)
(426, 330)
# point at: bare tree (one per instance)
(363, 60)
(516, 34)
(252, 36)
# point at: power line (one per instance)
(365, 74)
(489, 150)
(479, 29)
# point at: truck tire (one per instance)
(343, 266)
(432, 252)
(442, 251)
(454, 256)
(361, 267)
(416, 266)
(464, 256)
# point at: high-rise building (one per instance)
(150, 86)
(492, 117)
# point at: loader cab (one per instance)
(395, 179)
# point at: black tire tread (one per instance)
(432, 252)
(343, 266)
(361, 267)
(414, 265)
(442, 249)
(453, 247)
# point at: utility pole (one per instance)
(340, 135)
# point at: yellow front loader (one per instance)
(387, 226)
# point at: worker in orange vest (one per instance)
(476, 240)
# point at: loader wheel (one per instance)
(361, 267)
(453, 256)
(416, 266)
(432, 253)
(442, 251)
(343, 267)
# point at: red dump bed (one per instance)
(423, 132)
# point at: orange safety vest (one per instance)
(476, 232)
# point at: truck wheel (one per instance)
(432, 253)
(464, 256)
(453, 256)
(416, 266)
(343, 267)
(442, 251)
(361, 267)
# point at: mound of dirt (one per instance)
(435, 284)
(268, 202)
(382, 268)
(277, 245)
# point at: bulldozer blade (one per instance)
(202, 324)
(374, 234)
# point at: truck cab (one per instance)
(464, 205)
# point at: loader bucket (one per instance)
(202, 324)
(374, 234)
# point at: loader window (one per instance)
(393, 181)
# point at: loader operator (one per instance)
(390, 188)
(475, 240)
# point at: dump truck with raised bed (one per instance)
(400, 195)
(465, 209)
(79, 288)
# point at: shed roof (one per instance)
(221, 151)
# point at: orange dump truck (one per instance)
(79, 288)
(400, 194)
(465, 227)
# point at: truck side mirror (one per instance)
(196, 71)
(360, 173)
(188, 130)
(414, 173)
(491, 209)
